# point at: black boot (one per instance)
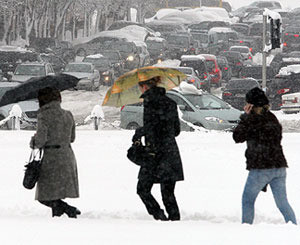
(160, 216)
(72, 212)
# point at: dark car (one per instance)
(291, 39)
(198, 63)
(103, 65)
(225, 68)
(116, 60)
(280, 85)
(256, 72)
(178, 45)
(236, 89)
(235, 61)
(11, 57)
(157, 48)
(62, 49)
(57, 63)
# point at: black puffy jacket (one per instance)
(263, 134)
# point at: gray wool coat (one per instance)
(58, 177)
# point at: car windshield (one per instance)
(30, 70)
(99, 62)
(178, 40)
(154, 45)
(78, 68)
(203, 38)
(241, 84)
(198, 65)
(207, 102)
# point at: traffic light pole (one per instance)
(264, 54)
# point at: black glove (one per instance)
(138, 135)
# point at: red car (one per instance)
(213, 69)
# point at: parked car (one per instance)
(213, 69)
(245, 52)
(29, 109)
(87, 73)
(57, 63)
(224, 67)
(116, 60)
(290, 103)
(235, 60)
(25, 71)
(62, 49)
(235, 91)
(11, 56)
(200, 108)
(197, 62)
(103, 65)
(157, 48)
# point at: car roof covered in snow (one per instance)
(192, 57)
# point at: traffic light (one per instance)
(275, 32)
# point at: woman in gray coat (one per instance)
(55, 133)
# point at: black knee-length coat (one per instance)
(161, 126)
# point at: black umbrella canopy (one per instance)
(29, 89)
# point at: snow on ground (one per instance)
(209, 198)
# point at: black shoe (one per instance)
(160, 216)
(57, 211)
(174, 218)
(72, 212)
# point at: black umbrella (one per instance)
(29, 89)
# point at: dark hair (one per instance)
(48, 94)
(257, 97)
(151, 82)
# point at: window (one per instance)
(179, 101)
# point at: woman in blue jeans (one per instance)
(265, 160)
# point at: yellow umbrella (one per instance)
(125, 89)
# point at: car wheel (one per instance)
(5, 126)
(132, 126)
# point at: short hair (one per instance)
(47, 95)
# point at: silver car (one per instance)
(87, 73)
(202, 109)
(29, 109)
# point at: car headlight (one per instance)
(159, 60)
(105, 73)
(215, 119)
(130, 58)
(106, 78)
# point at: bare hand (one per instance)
(248, 108)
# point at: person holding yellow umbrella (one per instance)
(160, 127)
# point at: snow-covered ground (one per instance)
(209, 198)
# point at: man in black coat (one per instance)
(161, 126)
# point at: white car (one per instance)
(290, 103)
(86, 72)
(25, 71)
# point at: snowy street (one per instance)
(112, 213)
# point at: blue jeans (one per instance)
(257, 179)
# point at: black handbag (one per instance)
(138, 154)
(32, 169)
